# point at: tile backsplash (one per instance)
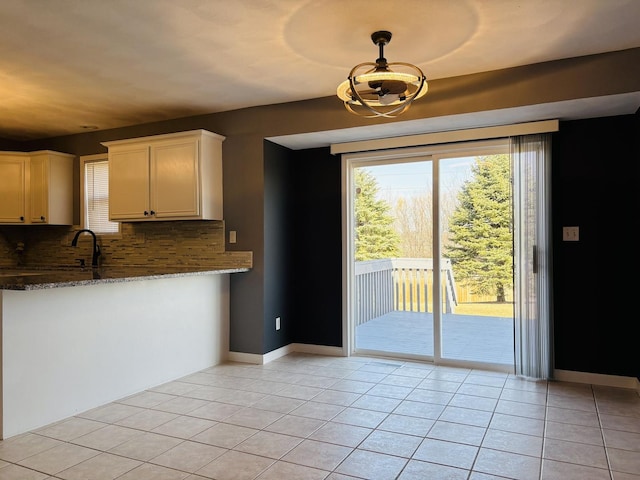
(181, 243)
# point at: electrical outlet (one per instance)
(277, 323)
(570, 234)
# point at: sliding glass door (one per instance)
(393, 257)
(476, 258)
(430, 257)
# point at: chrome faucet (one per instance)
(96, 247)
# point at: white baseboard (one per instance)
(597, 379)
(318, 349)
(277, 353)
(257, 359)
(240, 357)
(560, 375)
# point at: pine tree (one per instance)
(481, 242)
(375, 236)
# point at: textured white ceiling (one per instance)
(65, 64)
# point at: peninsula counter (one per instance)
(73, 339)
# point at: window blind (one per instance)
(96, 176)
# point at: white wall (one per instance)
(67, 350)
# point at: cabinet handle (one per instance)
(41, 218)
(153, 212)
(146, 214)
(22, 219)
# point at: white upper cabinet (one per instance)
(36, 188)
(166, 177)
(12, 188)
(128, 182)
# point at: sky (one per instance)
(415, 178)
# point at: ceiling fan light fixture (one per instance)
(411, 85)
(375, 90)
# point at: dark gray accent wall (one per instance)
(280, 263)
(302, 247)
(316, 285)
(595, 171)
(10, 145)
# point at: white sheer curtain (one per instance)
(531, 163)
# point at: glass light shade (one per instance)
(413, 82)
(387, 75)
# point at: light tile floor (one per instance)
(308, 417)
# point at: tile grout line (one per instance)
(293, 370)
(604, 441)
(544, 428)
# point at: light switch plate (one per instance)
(232, 236)
(570, 234)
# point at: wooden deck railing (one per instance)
(402, 284)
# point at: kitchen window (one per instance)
(94, 186)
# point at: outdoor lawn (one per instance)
(487, 309)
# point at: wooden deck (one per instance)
(465, 337)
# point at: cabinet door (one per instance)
(12, 189)
(175, 190)
(129, 183)
(39, 189)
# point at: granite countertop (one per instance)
(38, 278)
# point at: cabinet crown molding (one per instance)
(166, 136)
